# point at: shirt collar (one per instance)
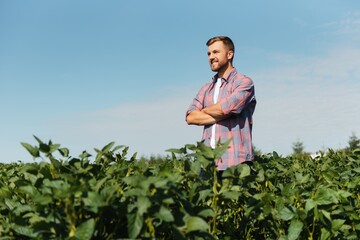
(229, 77)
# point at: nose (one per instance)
(210, 56)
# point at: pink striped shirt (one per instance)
(237, 100)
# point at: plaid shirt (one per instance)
(237, 100)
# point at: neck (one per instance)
(225, 71)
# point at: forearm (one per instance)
(215, 111)
(197, 117)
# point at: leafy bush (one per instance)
(178, 197)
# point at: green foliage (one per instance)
(179, 196)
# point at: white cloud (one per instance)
(338, 64)
(348, 25)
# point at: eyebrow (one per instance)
(215, 50)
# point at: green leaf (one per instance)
(85, 230)
(275, 155)
(310, 204)
(29, 189)
(204, 195)
(190, 147)
(53, 147)
(107, 147)
(295, 229)
(175, 150)
(219, 151)
(244, 170)
(100, 183)
(135, 224)
(44, 148)
(300, 179)
(10, 204)
(25, 231)
(326, 214)
(165, 214)
(325, 234)
(206, 151)
(38, 139)
(287, 213)
(34, 151)
(34, 218)
(228, 173)
(94, 201)
(21, 209)
(196, 224)
(118, 147)
(232, 195)
(206, 213)
(143, 203)
(84, 155)
(325, 196)
(336, 224)
(64, 152)
(42, 199)
(133, 157)
(343, 195)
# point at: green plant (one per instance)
(111, 196)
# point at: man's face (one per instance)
(218, 55)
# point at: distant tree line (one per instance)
(298, 147)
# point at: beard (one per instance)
(217, 66)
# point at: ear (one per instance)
(230, 54)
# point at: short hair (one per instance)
(226, 40)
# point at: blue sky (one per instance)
(85, 73)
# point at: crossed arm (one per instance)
(242, 94)
(206, 116)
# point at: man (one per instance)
(225, 106)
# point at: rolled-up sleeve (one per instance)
(198, 101)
